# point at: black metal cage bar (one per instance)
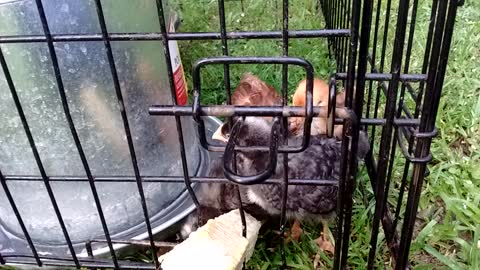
(436, 76)
(358, 39)
(283, 213)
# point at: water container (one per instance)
(95, 110)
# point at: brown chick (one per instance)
(251, 91)
(320, 98)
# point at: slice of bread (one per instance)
(218, 245)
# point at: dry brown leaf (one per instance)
(325, 245)
(296, 231)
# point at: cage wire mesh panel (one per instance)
(85, 170)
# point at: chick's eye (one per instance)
(225, 130)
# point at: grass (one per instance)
(213, 89)
(299, 255)
(452, 189)
(448, 225)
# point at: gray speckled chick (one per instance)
(320, 161)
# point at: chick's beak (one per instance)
(218, 135)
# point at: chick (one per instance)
(219, 198)
(320, 161)
(251, 91)
(320, 98)
(223, 196)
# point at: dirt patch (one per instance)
(461, 145)
(433, 211)
(423, 257)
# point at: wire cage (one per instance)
(397, 108)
